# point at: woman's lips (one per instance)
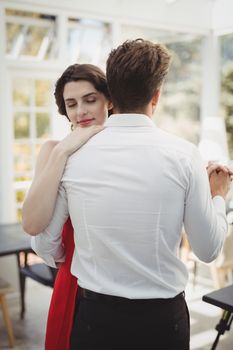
(85, 122)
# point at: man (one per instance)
(128, 192)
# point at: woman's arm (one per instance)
(40, 201)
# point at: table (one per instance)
(13, 240)
(222, 298)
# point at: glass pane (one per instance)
(20, 13)
(21, 125)
(13, 37)
(22, 157)
(156, 35)
(19, 215)
(21, 92)
(42, 125)
(227, 87)
(43, 92)
(27, 39)
(23, 178)
(20, 195)
(37, 149)
(33, 40)
(89, 41)
(183, 88)
(132, 32)
(179, 108)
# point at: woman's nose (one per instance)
(81, 110)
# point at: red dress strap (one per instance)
(62, 305)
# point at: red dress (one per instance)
(62, 305)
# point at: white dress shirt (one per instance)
(128, 192)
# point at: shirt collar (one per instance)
(133, 119)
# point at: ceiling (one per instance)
(187, 16)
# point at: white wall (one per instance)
(222, 20)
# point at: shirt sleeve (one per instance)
(48, 244)
(205, 219)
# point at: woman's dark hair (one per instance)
(76, 72)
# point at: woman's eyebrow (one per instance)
(69, 99)
(89, 94)
(84, 96)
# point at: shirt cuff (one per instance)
(50, 258)
(219, 203)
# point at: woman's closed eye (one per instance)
(71, 105)
(91, 100)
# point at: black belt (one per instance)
(89, 294)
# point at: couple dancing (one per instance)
(109, 203)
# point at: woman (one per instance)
(82, 96)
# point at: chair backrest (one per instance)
(39, 272)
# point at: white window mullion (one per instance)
(7, 198)
(33, 122)
(62, 37)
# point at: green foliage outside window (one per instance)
(227, 87)
(43, 125)
(21, 125)
(20, 195)
(227, 102)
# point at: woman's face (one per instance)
(85, 105)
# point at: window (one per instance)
(178, 109)
(30, 35)
(89, 41)
(32, 112)
(227, 87)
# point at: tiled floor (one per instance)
(29, 333)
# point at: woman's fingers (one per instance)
(218, 167)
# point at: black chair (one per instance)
(222, 298)
(39, 272)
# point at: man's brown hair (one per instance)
(135, 71)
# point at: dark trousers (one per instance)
(159, 324)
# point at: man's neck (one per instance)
(145, 112)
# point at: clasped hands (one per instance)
(220, 177)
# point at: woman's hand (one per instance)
(220, 177)
(220, 183)
(77, 138)
(217, 167)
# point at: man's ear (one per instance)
(110, 105)
(155, 99)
